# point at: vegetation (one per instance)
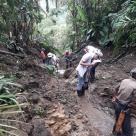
(101, 21)
(7, 102)
(67, 24)
(104, 21)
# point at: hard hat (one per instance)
(50, 55)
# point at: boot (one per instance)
(92, 80)
(86, 85)
(83, 90)
(79, 93)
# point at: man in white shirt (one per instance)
(91, 49)
(82, 69)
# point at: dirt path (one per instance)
(97, 118)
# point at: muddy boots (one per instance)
(86, 85)
(79, 93)
(92, 78)
(83, 90)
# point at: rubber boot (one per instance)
(92, 79)
(86, 85)
(83, 90)
(79, 93)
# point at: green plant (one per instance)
(7, 102)
(124, 26)
(51, 69)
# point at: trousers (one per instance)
(81, 81)
(126, 126)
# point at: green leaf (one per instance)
(9, 120)
(10, 112)
(8, 126)
(102, 34)
(7, 96)
(2, 130)
(11, 4)
(82, 14)
(90, 31)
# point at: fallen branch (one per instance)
(12, 54)
(119, 56)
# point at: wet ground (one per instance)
(54, 108)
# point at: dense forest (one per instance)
(105, 22)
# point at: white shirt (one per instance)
(91, 49)
(87, 59)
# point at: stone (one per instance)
(68, 72)
(27, 127)
(79, 116)
(39, 128)
(19, 132)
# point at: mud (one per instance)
(51, 106)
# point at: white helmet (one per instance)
(50, 55)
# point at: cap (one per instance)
(67, 51)
(99, 53)
(133, 71)
(43, 49)
(50, 55)
(84, 45)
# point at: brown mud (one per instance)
(51, 106)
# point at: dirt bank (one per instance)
(54, 108)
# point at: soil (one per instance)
(51, 106)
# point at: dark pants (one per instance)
(43, 61)
(126, 126)
(69, 64)
(92, 70)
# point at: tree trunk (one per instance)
(12, 54)
(47, 6)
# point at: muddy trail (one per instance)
(51, 106)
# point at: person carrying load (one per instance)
(124, 97)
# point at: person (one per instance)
(43, 55)
(56, 61)
(68, 59)
(124, 96)
(82, 69)
(50, 59)
(91, 49)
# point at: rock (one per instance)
(64, 101)
(68, 72)
(19, 132)
(106, 92)
(85, 120)
(27, 127)
(92, 88)
(74, 81)
(79, 116)
(106, 75)
(76, 107)
(34, 98)
(39, 128)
